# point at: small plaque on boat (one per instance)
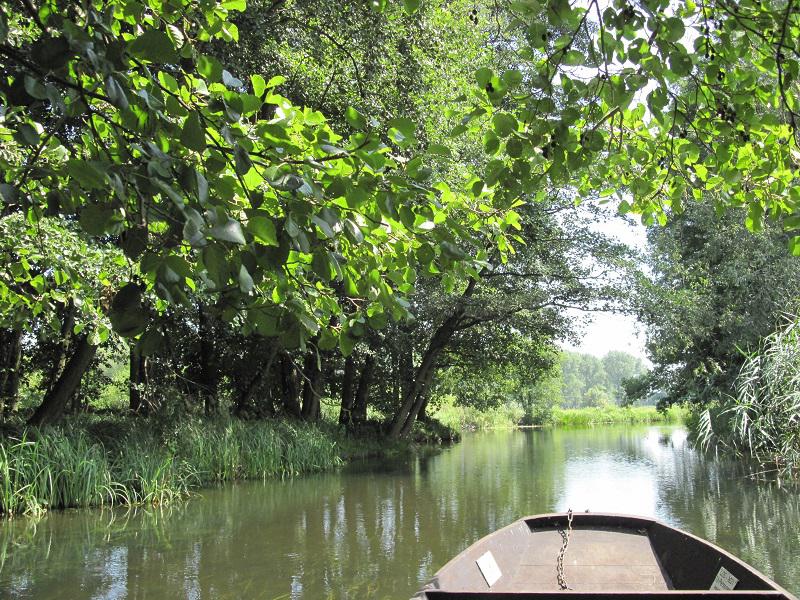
(489, 569)
(724, 580)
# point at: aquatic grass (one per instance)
(141, 463)
(53, 469)
(146, 474)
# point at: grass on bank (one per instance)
(622, 415)
(513, 415)
(117, 461)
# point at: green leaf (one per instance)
(321, 266)
(98, 219)
(209, 67)
(411, 6)
(483, 76)
(680, 63)
(242, 160)
(346, 344)
(133, 242)
(263, 229)
(151, 342)
(504, 124)
(573, 58)
(240, 5)
(291, 227)
(323, 225)
(231, 231)
(154, 46)
(3, 28)
(259, 85)
(355, 119)
(245, 280)
(439, 150)
(401, 131)
(275, 81)
(512, 77)
(193, 135)
(128, 317)
(116, 94)
(231, 81)
(353, 231)
(675, 29)
(27, 135)
(216, 264)
(87, 173)
(452, 251)
(8, 194)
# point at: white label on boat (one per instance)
(489, 569)
(724, 580)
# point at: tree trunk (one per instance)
(10, 359)
(348, 379)
(246, 393)
(137, 383)
(289, 387)
(423, 411)
(56, 398)
(207, 377)
(362, 394)
(406, 369)
(419, 405)
(62, 350)
(412, 401)
(310, 411)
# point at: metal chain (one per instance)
(562, 580)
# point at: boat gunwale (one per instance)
(618, 520)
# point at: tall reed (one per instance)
(144, 464)
(763, 417)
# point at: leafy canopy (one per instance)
(649, 102)
(116, 116)
(212, 182)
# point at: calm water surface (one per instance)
(378, 530)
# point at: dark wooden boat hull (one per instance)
(607, 556)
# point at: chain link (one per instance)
(562, 580)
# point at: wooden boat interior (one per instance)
(607, 556)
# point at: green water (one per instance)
(378, 530)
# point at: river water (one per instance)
(379, 529)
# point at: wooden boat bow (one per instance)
(596, 556)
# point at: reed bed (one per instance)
(134, 462)
(511, 415)
(609, 415)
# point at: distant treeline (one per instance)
(588, 380)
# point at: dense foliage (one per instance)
(715, 291)
(264, 207)
(588, 380)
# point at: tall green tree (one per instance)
(715, 291)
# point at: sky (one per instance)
(608, 331)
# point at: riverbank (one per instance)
(117, 460)
(617, 415)
(511, 416)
